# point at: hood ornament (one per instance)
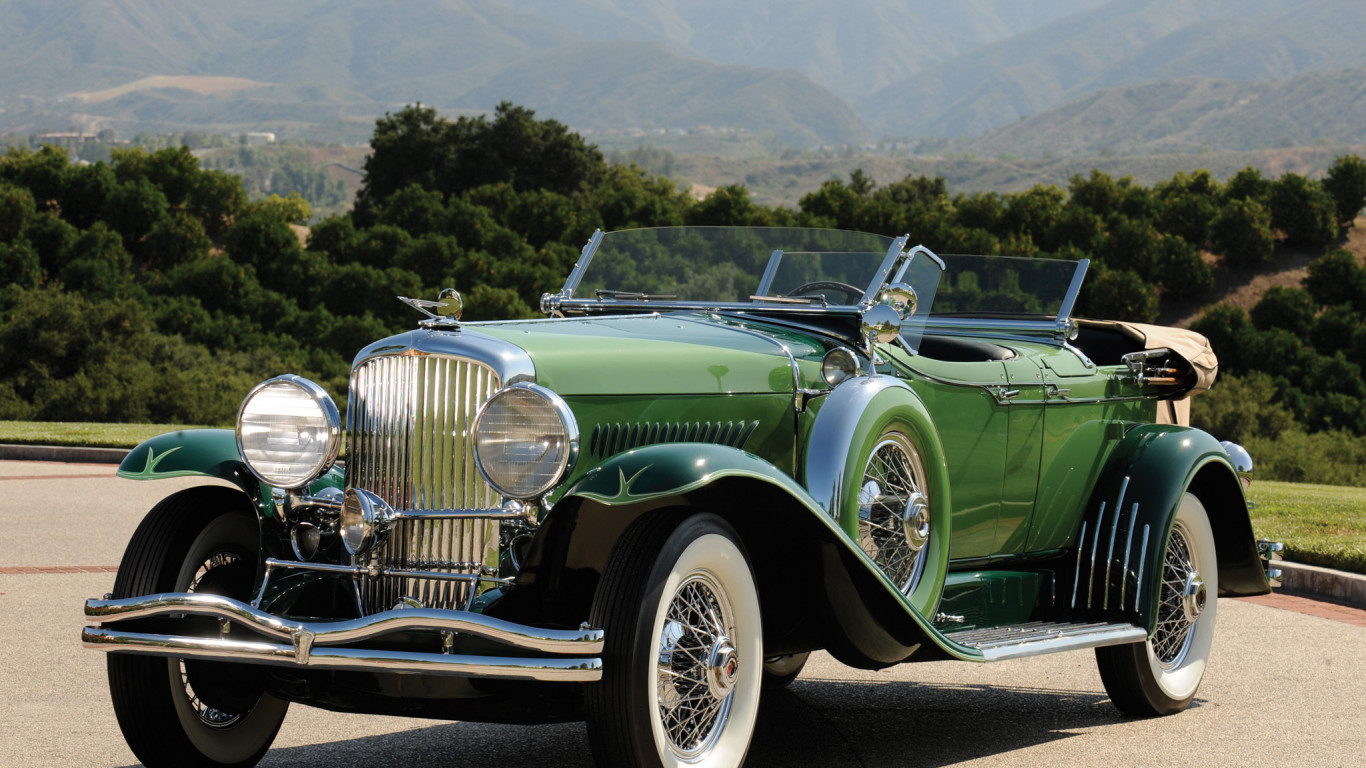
(442, 313)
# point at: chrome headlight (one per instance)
(525, 439)
(288, 431)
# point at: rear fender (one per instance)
(816, 588)
(1123, 538)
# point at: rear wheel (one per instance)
(1160, 676)
(684, 654)
(177, 712)
(780, 671)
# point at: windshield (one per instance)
(731, 264)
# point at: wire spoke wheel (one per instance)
(683, 659)
(894, 511)
(1160, 675)
(697, 666)
(1181, 600)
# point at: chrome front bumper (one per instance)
(560, 655)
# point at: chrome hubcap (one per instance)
(1194, 594)
(723, 668)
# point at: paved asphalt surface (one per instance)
(1283, 687)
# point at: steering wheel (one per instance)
(854, 293)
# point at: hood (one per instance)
(658, 354)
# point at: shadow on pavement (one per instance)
(814, 722)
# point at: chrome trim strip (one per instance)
(379, 570)
(1142, 558)
(510, 362)
(563, 641)
(292, 655)
(1128, 546)
(1095, 549)
(1076, 577)
(1114, 529)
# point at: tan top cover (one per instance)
(1191, 346)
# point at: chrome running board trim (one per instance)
(1038, 638)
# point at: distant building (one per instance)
(69, 141)
(258, 138)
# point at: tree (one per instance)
(416, 146)
(133, 208)
(1303, 210)
(1346, 182)
(17, 209)
(1240, 408)
(1284, 307)
(1117, 294)
(1241, 232)
(1335, 279)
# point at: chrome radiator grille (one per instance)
(408, 440)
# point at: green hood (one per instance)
(658, 354)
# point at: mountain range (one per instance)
(1048, 76)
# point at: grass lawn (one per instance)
(1320, 524)
(80, 434)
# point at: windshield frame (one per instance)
(893, 269)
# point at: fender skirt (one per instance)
(1121, 542)
(816, 588)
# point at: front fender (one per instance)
(1123, 538)
(206, 453)
(187, 453)
(817, 589)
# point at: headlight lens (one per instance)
(525, 439)
(288, 431)
(839, 364)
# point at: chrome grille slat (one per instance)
(409, 441)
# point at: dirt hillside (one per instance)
(1244, 287)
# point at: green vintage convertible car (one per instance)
(722, 450)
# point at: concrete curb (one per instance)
(1322, 582)
(65, 453)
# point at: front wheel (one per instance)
(684, 647)
(176, 712)
(1160, 676)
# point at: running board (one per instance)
(1041, 637)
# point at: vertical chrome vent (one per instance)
(408, 440)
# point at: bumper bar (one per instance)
(570, 655)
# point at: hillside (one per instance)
(1194, 115)
(625, 85)
(1121, 42)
